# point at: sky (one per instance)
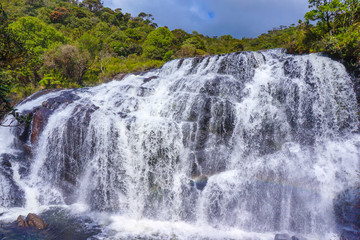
(239, 18)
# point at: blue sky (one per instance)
(239, 18)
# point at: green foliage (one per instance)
(109, 66)
(36, 35)
(168, 55)
(69, 62)
(325, 11)
(12, 50)
(5, 103)
(52, 43)
(89, 43)
(336, 32)
(158, 43)
(59, 14)
(92, 5)
(48, 81)
(196, 41)
(133, 34)
(187, 50)
(180, 36)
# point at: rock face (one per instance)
(32, 220)
(39, 121)
(12, 194)
(347, 211)
(282, 236)
(297, 238)
(42, 114)
(199, 182)
(285, 236)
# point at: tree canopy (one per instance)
(52, 43)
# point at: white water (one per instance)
(274, 133)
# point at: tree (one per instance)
(6, 106)
(36, 3)
(12, 53)
(12, 50)
(158, 43)
(59, 14)
(92, 5)
(196, 41)
(325, 11)
(90, 43)
(36, 35)
(180, 36)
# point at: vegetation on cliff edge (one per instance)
(65, 44)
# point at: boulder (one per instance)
(282, 236)
(32, 220)
(21, 222)
(35, 221)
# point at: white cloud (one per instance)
(240, 18)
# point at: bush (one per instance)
(67, 60)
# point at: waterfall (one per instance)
(272, 136)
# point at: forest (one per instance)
(70, 44)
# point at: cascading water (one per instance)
(271, 135)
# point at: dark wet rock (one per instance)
(141, 73)
(65, 97)
(120, 76)
(298, 238)
(144, 91)
(40, 116)
(347, 209)
(181, 61)
(16, 195)
(243, 68)
(292, 69)
(282, 236)
(212, 88)
(28, 149)
(24, 129)
(195, 62)
(199, 182)
(39, 94)
(71, 164)
(39, 122)
(5, 163)
(150, 78)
